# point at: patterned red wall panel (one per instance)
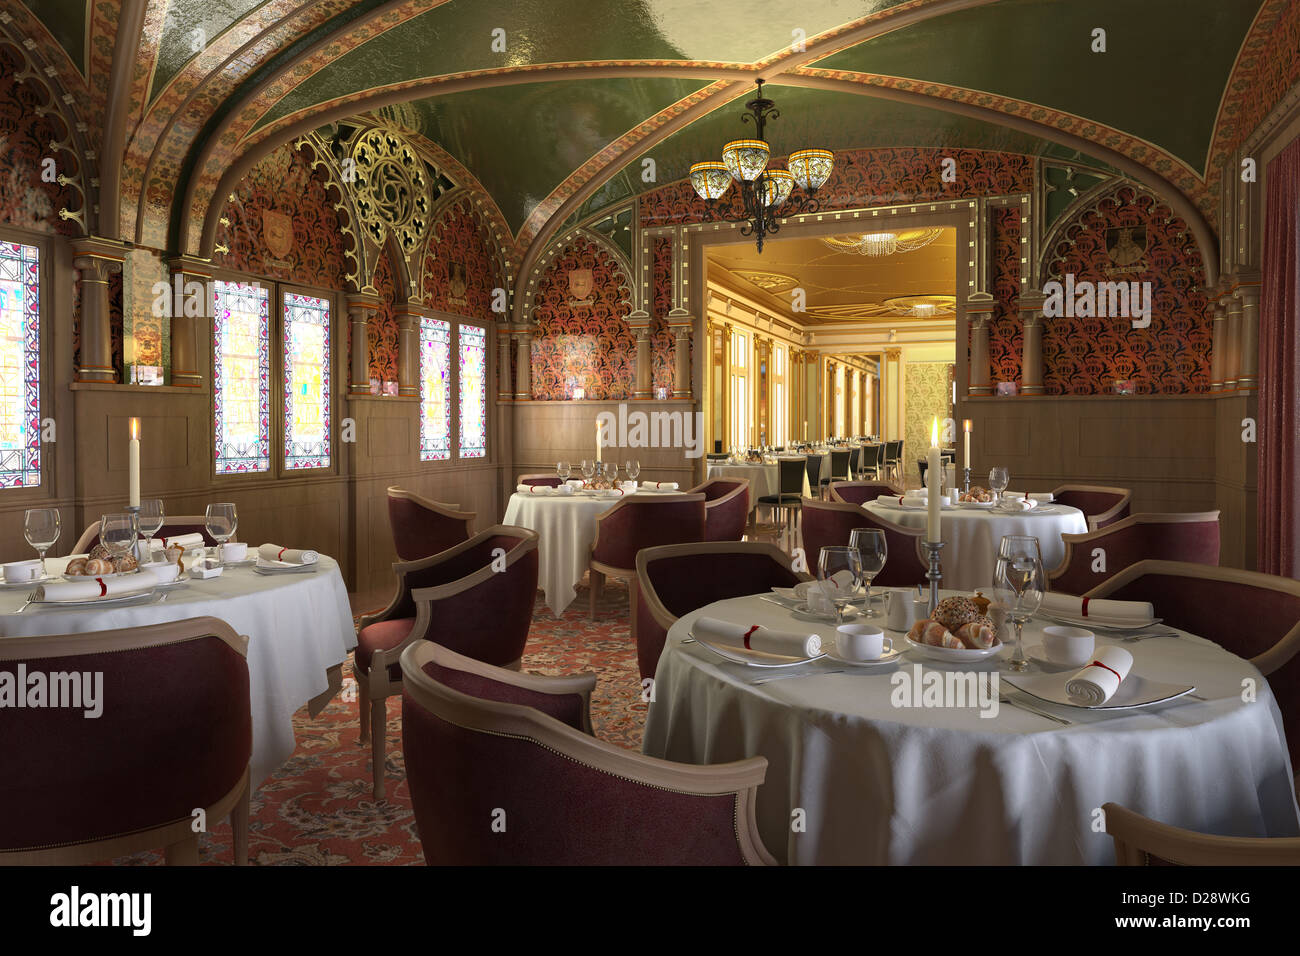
(26, 199)
(459, 271)
(381, 333)
(284, 184)
(1085, 356)
(583, 342)
(1006, 339)
(661, 337)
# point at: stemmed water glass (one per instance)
(221, 522)
(999, 478)
(633, 468)
(839, 569)
(41, 529)
(563, 469)
(151, 522)
(873, 551)
(588, 469)
(118, 533)
(1018, 585)
(611, 472)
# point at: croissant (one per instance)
(76, 566)
(978, 634)
(98, 566)
(934, 634)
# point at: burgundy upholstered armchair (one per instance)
(726, 508)
(676, 579)
(175, 733)
(829, 523)
(1100, 504)
(502, 770)
(422, 527)
(1193, 536)
(173, 527)
(476, 598)
(1211, 602)
(636, 523)
(860, 492)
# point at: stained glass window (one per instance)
(306, 381)
(435, 390)
(473, 392)
(20, 366)
(241, 377)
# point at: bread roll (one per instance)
(979, 634)
(934, 634)
(125, 563)
(76, 566)
(98, 566)
(99, 551)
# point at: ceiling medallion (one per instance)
(773, 282)
(763, 189)
(883, 243)
(391, 188)
(922, 306)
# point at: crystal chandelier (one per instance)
(883, 243)
(763, 190)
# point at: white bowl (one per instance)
(1072, 646)
(953, 655)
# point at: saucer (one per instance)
(1039, 657)
(802, 613)
(887, 658)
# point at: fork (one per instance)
(30, 598)
(1003, 698)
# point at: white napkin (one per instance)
(1100, 611)
(273, 552)
(921, 492)
(186, 541)
(534, 489)
(660, 485)
(562, 490)
(577, 484)
(1014, 505)
(628, 486)
(757, 638)
(1042, 497)
(88, 588)
(902, 501)
(1096, 684)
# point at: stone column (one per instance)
(1031, 368)
(829, 430)
(1219, 344)
(681, 323)
(408, 318)
(191, 325)
(505, 388)
(524, 363)
(639, 323)
(361, 305)
(1248, 361)
(979, 312)
(1232, 354)
(726, 386)
(95, 261)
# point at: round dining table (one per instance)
(299, 626)
(972, 535)
(764, 479)
(863, 769)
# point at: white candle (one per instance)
(932, 485)
(133, 462)
(966, 457)
(597, 439)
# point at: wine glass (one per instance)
(151, 522)
(840, 571)
(588, 469)
(999, 477)
(633, 468)
(563, 469)
(221, 521)
(41, 529)
(873, 551)
(611, 472)
(118, 533)
(1018, 582)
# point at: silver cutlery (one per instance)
(30, 598)
(1134, 638)
(768, 680)
(1003, 698)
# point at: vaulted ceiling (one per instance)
(544, 104)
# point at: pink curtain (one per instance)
(1278, 512)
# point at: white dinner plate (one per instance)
(1135, 691)
(739, 655)
(981, 505)
(1087, 622)
(100, 601)
(886, 658)
(953, 655)
(281, 567)
(16, 585)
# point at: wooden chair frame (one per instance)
(1137, 838)
(835, 486)
(1095, 520)
(177, 837)
(741, 487)
(1085, 540)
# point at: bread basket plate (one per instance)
(739, 655)
(953, 655)
(1135, 691)
(106, 577)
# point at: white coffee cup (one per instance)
(1068, 645)
(166, 573)
(19, 572)
(861, 642)
(234, 551)
(900, 609)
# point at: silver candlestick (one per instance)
(965, 482)
(935, 574)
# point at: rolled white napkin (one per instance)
(1097, 682)
(757, 638)
(273, 552)
(1100, 611)
(186, 541)
(917, 493)
(563, 490)
(534, 489)
(90, 588)
(1042, 497)
(1015, 505)
(628, 486)
(660, 485)
(576, 483)
(903, 501)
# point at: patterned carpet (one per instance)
(316, 810)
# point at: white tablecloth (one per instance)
(763, 479)
(883, 784)
(973, 536)
(298, 626)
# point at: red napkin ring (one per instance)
(103, 588)
(280, 556)
(1111, 669)
(1085, 606)
(749, 632)
(900, 501)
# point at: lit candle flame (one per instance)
(966, 425)
(135, 429)
(934, 434)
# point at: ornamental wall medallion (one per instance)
(391, 188)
